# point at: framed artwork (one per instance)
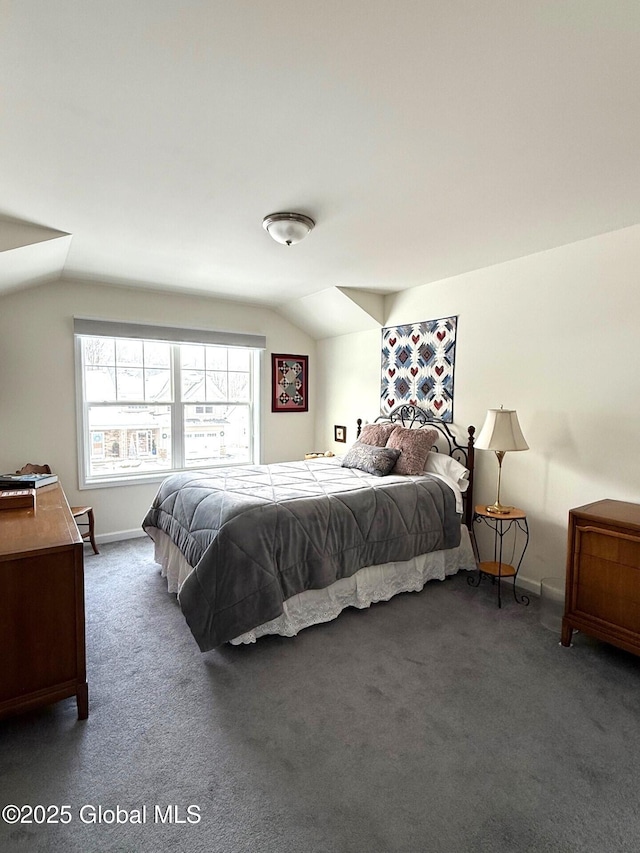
(417, 367)
(340, 433)
(289, 383)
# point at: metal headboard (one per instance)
(412, 417)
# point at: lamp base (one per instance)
(499, 509)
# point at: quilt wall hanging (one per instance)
(417, 367)
(289, 383)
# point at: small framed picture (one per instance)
(340, 433)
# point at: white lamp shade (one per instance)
(501, 431)
(288, 228)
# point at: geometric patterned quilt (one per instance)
(417, 367)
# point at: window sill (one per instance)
(152, 478)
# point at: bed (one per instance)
(272, 549)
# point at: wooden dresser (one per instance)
(603, 574)
(42, 645)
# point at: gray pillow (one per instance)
(371, 459)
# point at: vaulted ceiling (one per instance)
(142, 143)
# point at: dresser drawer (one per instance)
(609, 545)
(607, 575)
(609, 591)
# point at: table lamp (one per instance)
(501, 433)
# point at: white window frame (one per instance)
(99, 328)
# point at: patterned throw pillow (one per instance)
(377, 434)
(371, 459)
(415, 444)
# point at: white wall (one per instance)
(554, 335)
(37, 380)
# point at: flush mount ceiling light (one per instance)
(287, 228)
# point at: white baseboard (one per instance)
(529, 586)
(119, 535)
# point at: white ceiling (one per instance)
(426, 138)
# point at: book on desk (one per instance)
(17, 499)
(26, 481)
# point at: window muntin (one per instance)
(124, 369)
(132, 424)
(212, 374)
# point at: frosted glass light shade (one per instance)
(288, 228)
(501, 431)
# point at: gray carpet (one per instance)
(433, 722)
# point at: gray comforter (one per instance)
(258, 534)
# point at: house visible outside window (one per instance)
(150, 407)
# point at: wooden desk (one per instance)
(42, 643)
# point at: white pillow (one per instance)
(447, 466)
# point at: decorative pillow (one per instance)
(372, 459)
(415, 445)
(377, 434)
(447, 466)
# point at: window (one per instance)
(149, 407)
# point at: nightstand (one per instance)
(512, 524)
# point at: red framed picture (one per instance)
(289, 383)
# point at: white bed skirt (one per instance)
(366, 586)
